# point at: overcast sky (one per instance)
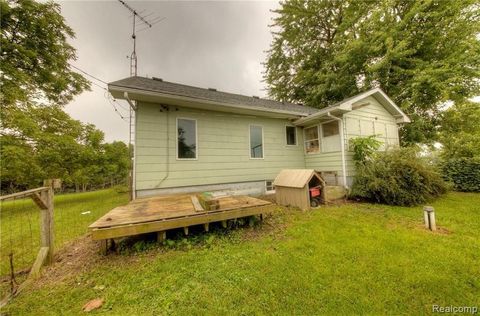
(207, 44)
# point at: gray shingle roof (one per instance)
(156, 85)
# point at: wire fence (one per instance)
(21, 222)
(75, 188)
(20, 242)
(27, 236)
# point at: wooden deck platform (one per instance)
(158, 214)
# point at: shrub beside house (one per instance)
(396, 176)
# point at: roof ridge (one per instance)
(184, 90)
(218, 91)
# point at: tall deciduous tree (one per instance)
(422, 53)
(38, 139)
(460, 131)
(35, 54)
(60, 147)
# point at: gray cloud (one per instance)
(206, 44)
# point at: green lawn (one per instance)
(351, 259)
(20, 223)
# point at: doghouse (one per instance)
(303, 188)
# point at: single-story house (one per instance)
(190, 139)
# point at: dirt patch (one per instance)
(74, 258)
(271, 225)
(440, 230)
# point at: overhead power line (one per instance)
(105, 95)
(86, 73)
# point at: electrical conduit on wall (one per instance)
(167, 161)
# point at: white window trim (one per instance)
(305, 140)
(176, 138)
(296, 136)
(250, 142)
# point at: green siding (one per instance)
(223, 149)
(223, 146)
(370, 119)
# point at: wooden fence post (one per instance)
(47, 221)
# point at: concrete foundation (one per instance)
(255, 188)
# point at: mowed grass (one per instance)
(20, 223)
(350, 259)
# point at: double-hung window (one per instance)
(186, 138)
(291, 135)
(312, 144)
(256, 142)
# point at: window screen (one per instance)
(291, 132)
(186, 139)
(330, 129)
(312, 144)
(256, 141)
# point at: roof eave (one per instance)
(118, 92)
(336, 110)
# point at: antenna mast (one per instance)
(133, 56)
(133, 72)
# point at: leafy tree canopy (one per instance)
(34, 61)
(38, 139)
(421, 53)
(460, 131)
(50, 144)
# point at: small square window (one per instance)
(291, 132)
(269, 187)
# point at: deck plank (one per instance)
(163, 225)
(167, 207)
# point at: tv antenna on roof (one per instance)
(147, 24)
(133, 72)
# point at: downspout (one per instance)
(342, 143)
(134, 108)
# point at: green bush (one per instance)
(364, 148)
(463, 173)
(397, 177)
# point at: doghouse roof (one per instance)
(295, 178)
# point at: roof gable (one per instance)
(295, 178)
(346, 105)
